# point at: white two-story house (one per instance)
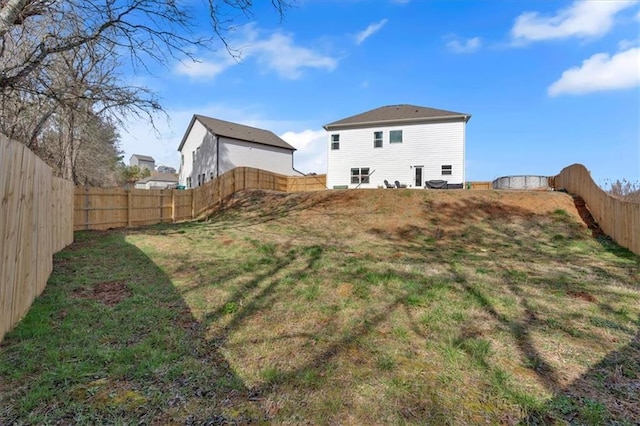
(405, 143)
(211, 147)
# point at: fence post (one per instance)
(233, 176)
(129, 221)
(173, 206)
(86, 207)
(193, 203)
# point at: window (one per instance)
(211, 178)
(360, 175)
(199, 177)
(188, 182)
(446, 169)
(335, 141)
(377, 139)
(204, 177)
(181, 159)
(395, 136)
(193, 157)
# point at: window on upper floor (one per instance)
(360, 175)
(335, 142)
(193, 157)
(395, 136)
(181, 159)
(446, 169)
(377, 139)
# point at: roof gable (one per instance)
(397, 114)
(237, 131)
(143, 157)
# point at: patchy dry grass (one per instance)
(352, 307)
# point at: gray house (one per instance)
(211, 147)
(142, 161)
(158, 181)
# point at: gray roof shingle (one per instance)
(397, 114)
(238, 131)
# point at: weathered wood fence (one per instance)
(36, 212)
(619, 219)
(105, 208)
(479, 185)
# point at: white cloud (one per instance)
(277, 52)
(627, 44)
(205, 69)
(467, 46)
(369, 31)
(311, 154)
(582, 19)
(600, 72)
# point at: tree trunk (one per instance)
(10, 14)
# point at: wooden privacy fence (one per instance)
(479, 185)
(105, 208)
(35, 222)
(619, 219)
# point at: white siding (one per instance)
(155, 184)
(233, 153)
(195, 138)
(429, 145)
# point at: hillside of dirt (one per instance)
(388, 209)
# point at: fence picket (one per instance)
(618, 219)
(36, 214)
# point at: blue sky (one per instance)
(548, 83)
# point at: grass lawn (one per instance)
(341, 307)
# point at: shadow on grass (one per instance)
(260, 206)
(146, 358)
(111, 340)
(609, 393)
(597, 232)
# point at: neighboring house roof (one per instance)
(396, 114)
(160, 177)
(143, 157)
(237, 131)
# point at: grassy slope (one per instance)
(355, 307)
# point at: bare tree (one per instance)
(64, 109)
(142, 29)
(623, 189)
(61, 92)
